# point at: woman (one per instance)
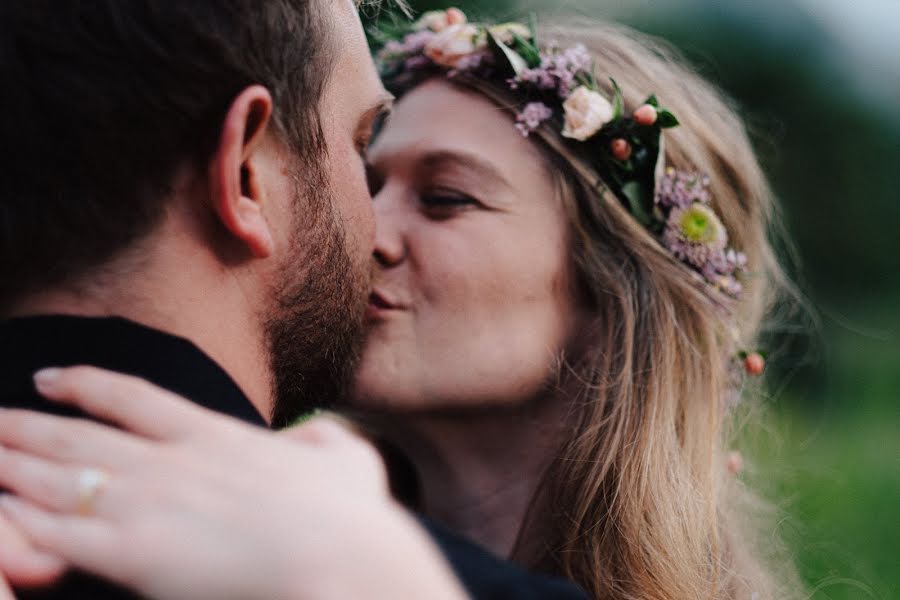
(560, 374)
(565, 297)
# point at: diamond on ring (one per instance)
(90, 484)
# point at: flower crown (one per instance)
(557, 88)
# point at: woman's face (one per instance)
(472, 302)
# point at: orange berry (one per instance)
(621, 149)
(754, 364)
(645, 115)
(455, 16)
(735, 462)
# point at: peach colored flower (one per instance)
(454, 43)
(586, 112)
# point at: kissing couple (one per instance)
(273, 331)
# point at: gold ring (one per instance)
(90, 483)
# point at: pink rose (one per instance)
(586, 112)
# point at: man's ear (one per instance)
(236, 193)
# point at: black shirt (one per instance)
(29, 344)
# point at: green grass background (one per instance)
(832, 463)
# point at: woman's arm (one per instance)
(183, 503)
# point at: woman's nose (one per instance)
(390, 217)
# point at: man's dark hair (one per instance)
(104, 99)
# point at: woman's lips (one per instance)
(381, 304)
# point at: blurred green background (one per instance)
(818, 82)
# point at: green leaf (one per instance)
(527, 51)
(634, 193)
(652, 101)
(659, 168)
(665, 119)
(306, 417)
(532, 26)
(618, 102)
(503, 52)
(585, 80)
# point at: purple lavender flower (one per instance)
(414, 63)
(681, 189)
(471, 62)
(566, 83)
(392, 48)
(716, 265)
(538, 77)
(737, 260)
(532, 116)
(412, 44)
(416, 42)
(565, 66)
(558, 70)
(577, 58)
(730, 285)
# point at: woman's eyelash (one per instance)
(446, 199)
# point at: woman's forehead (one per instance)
(438, 116)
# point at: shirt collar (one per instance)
(174, 363)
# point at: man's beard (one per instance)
(315, 329)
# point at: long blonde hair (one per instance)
(639, 503)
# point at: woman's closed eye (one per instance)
(446, 203)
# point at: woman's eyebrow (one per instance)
(454, 158)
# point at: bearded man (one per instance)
(185, 200)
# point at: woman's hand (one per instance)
(185, 503)
(20, 564)
(5, 592)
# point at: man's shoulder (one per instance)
(487, 577)
(114, 343)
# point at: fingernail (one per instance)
(46, 378)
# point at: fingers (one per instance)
(30, 568)
(5, 591)
(323, 429)
(339, 436)
(48, 484)
(82, 542)
(22, 565)
(68, 440)
(130, 402)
